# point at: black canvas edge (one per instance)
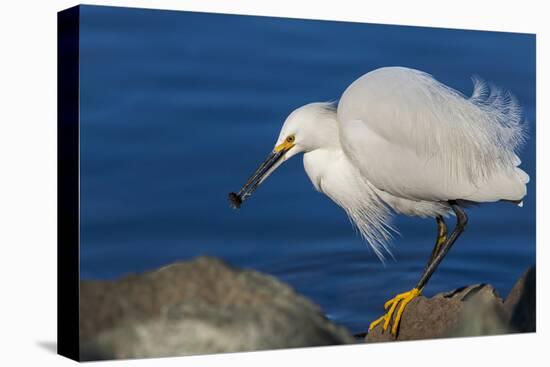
(68, 207)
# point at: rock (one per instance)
(482, 313)
(521, 302)
(468, 311)
(197, 307)
(427, 318)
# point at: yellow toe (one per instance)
(412, 294)
(376, 322)
(400, 300)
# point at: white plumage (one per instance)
(419, 139)
(399, 139)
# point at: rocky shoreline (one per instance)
(206, 306)
(469, 311)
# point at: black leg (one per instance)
(461, 221)
(440, 240)
(396, 306)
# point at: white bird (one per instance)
(400, 141)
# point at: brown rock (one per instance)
(427, 318)
(469, 311)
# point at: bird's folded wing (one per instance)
(416, 138)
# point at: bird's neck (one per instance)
(325, 133)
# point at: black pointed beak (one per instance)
(266, 168)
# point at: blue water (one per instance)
(178, 109)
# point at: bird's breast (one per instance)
(332, 173)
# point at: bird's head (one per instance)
(307, 128)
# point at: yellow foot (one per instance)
(402, 300)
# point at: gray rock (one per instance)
(198, 307)
(521, 303)
(469, 311)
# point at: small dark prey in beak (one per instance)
(236, 199)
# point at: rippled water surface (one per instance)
(178, 109)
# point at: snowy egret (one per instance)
(399, 141)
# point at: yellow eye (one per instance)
(290, 139)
